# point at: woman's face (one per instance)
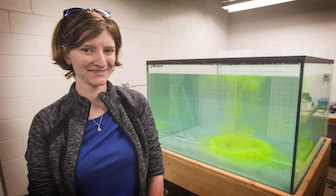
(93, 62)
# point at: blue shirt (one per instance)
(107, 163)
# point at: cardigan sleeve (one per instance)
(155, 166)
(41, 181)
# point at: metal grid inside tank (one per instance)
(283, 108)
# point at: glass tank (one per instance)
(262, 118)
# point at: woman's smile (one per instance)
(98, 72)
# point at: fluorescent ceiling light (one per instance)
(230, 6)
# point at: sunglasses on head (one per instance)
(74, 12)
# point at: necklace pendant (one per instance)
(99, 129)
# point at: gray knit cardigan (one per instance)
(57, 131)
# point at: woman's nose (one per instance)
(99, 59)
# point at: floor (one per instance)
(330, 187)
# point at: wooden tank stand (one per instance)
(206, 180)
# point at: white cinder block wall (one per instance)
(302, 27)
(151, 29)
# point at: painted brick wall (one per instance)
(29, 81)
(296, 28)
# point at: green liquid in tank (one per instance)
(239, 123)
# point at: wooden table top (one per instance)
(332, 119)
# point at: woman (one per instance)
(98, 139)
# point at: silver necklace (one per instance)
(99, 128)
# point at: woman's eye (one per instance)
(109, 50)
(85, 50)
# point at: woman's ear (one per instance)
(67, 58)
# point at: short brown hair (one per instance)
(72, 32)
